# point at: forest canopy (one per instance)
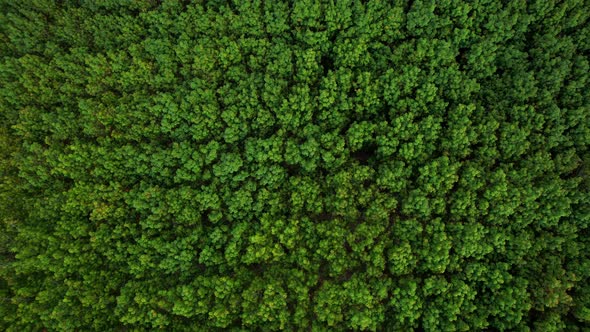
(300, 165)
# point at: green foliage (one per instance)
(297, 165)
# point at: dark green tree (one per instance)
(297, 165)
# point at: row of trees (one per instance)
(265, 165)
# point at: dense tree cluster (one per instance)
(298, 165)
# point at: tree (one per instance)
(296, 165)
